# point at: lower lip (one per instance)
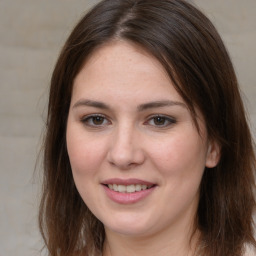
(127, 198)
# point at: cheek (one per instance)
(181, 162)
(180, 155)
(84, 153)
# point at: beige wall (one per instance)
(31, 34)
(236, 22)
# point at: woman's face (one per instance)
(136, 155)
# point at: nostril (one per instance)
(126, 159)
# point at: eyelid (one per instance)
(84, 120)
(88, 122)
(171, 120)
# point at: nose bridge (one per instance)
(125, 150)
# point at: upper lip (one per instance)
(127, 182)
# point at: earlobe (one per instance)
(213, 155)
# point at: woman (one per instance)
(147, 148)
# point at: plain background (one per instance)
(31, 35)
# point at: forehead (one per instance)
(118, 52)
(124, 75)
(123, 66)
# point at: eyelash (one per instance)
(167, 121)
(89, 121)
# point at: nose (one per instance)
(126, 151)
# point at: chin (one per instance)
(129, 226)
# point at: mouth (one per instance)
(128, 191)
(128, 188)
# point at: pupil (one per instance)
(98, 120)
(159, 120)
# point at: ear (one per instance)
(213, 154)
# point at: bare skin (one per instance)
(128, 127)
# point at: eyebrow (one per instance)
(142, 107)
(160, 104)
(91, 103)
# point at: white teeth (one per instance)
(128, 189)
(138, 187)
(121, 188)
(144, 187)
(115, 187)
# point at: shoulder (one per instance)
(250, 251)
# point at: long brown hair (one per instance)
(188, 46)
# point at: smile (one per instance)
(128, 191)
(129, 188)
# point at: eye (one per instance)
(161, 121)
(95, 120)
